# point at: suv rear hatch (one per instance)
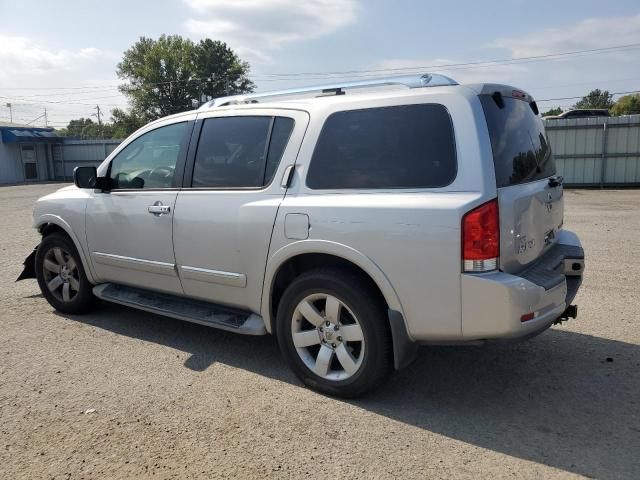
(530, 197)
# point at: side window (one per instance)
(408, 146)
(240, 152)
(282, 128)
(150, 160)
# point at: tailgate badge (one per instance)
(524, 245)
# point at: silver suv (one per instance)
(353, 221)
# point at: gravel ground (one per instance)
(175, 400)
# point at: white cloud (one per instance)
(67, 82)
(20, 55)
(586, 34)
(254, 28)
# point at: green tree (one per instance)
(552, 112)
(220, 69)
(168, 75)
(125, 123)
(627, 105)
(86, 129)
(596, 99)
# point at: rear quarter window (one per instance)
(408, 146)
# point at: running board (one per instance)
(190, 310)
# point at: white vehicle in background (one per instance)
(354, 221)
(579, 113)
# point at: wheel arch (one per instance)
(308, 253)
(326, 253)
(48, 223)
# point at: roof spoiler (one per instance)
(498, 92)
(504, 90)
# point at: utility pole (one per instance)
(99, 121)
(46, 121)
(10, 112)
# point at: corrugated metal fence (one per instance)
(597, 151)
(76, 153)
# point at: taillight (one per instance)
(481, 238)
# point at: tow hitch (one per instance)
(570, 312)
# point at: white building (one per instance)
(26, 153)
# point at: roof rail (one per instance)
(409, 81)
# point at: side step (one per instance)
(187, 309)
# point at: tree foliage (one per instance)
(125, 123)
(596, 99)
(86, 129)
(627, 105)
(121, 126)
(552, 112)
(168, 75)
(223, 73)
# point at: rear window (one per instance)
(408, 146)
(521, 152)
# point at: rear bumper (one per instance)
(493, 304)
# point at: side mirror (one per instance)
(85, 177)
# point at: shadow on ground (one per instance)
(563, 399)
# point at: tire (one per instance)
(352, 353)
(67, 290)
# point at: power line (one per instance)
(368, 72)
(38, 118)
(582, 96)
(114, 85)
(504, 60)
(79, 90)
(590, 82)
(106, 89)
(61, 102)
(440, 68)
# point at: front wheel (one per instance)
(60, 275)
(333, 331)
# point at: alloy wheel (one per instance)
(328, 337)
(61, 274)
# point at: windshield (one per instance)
(521, 152)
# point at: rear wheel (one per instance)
(61, 277)
(332, 329)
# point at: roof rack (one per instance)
(409, 81)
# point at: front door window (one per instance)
(149, 161)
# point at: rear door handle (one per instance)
(286, 178)
(159, 209)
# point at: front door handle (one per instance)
(159, 209)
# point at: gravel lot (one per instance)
(175, 400)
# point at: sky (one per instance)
(62, 55)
